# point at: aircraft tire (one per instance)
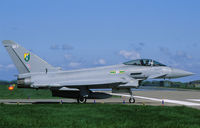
(132, 100)
(82, 100)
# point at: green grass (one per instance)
(97, 116)
(21, 93)
(25, 93)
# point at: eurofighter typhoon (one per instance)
(78, 84)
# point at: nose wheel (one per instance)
(82, 100)
(132, 100)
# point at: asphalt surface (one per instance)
(155, 97)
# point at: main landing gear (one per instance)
(82, 100)
(132, 99)
(84, 93)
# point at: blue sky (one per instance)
(82, 34)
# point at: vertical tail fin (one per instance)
(24, 60)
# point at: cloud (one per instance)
(177, 56)
(63, 47)
(141, 44)
(10, 66)
(100, 62)
(68, 56)
(179, 59)
(54, 47)
(74, 64)
(67, 47)
(165, 51)
(138, 46)
(130, 54)
(183, 55)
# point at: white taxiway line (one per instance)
(160, 100)
(198, 100)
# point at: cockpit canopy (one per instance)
(144, 62)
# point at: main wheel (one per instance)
(131, 100)
(82, 100)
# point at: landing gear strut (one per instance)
(82, 100)
(132, 99)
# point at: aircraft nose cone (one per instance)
(176, 73)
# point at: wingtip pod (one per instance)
(8, 43)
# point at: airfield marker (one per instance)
(163, 102)
(123, 101)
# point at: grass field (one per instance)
(21, 93)
(89, 115)
(24, 93)
(97, 116)
(191, 88)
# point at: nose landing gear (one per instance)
(132, 99)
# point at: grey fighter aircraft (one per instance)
(38, 74)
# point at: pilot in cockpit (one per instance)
(142, 62)
(147, 63)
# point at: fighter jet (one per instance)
(78, 84)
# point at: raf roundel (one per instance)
(26, 57)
